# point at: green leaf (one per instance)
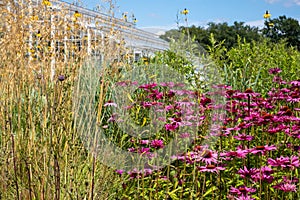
(210, 190)
(130, 98)
(173, 195)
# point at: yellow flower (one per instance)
(77, 14)
(34, 18)
(145, 60)
(267, 15)
(125, 17)
(47, 3)
(185, 11)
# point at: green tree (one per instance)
(283, 28)
(221, 31)
(171, 34)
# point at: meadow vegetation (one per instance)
(252, 154)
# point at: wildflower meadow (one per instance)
(183, 123)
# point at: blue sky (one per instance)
(162, 13)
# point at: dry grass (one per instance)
(41, 153)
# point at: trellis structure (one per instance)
(100, 27)
(59, 32)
